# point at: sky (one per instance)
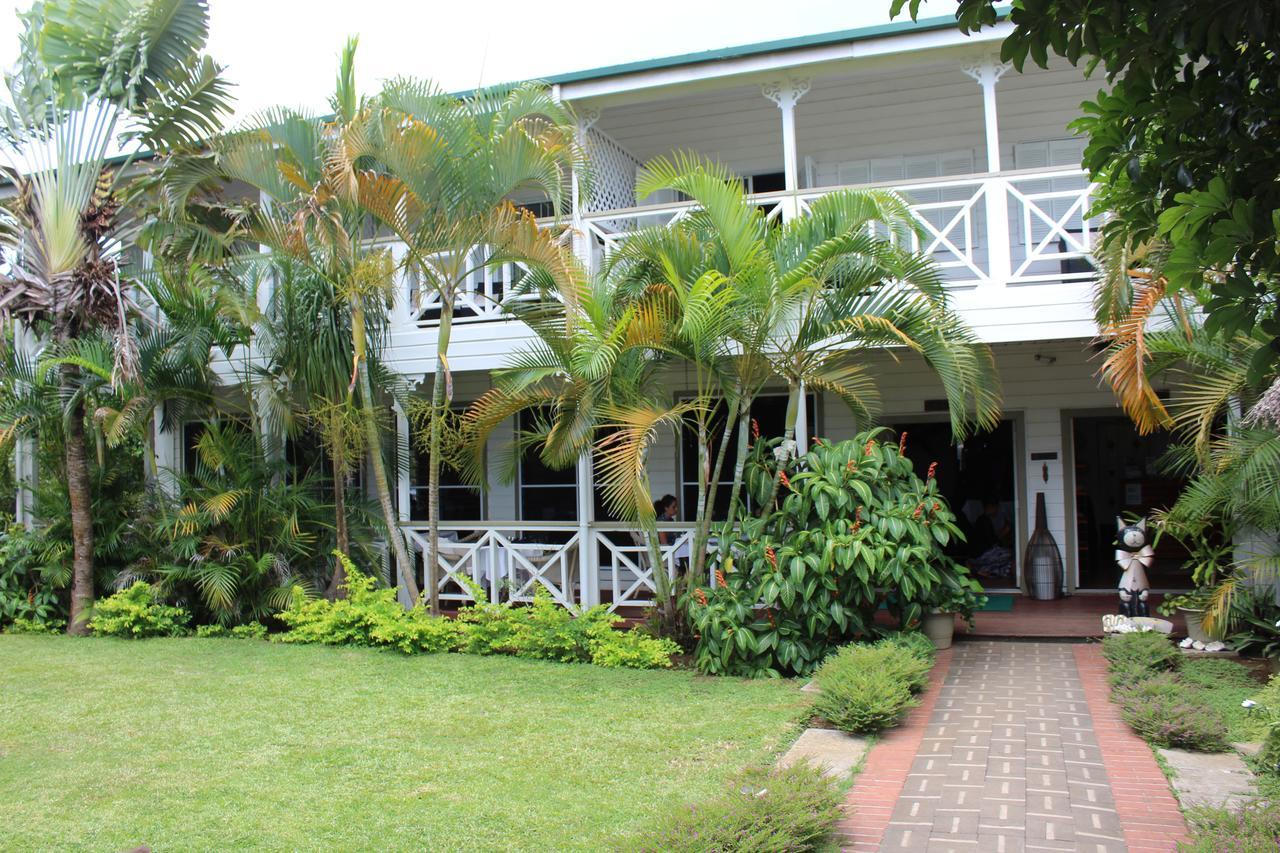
(285, 51)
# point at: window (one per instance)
(546, 493)
(459, 501)
(769, 411)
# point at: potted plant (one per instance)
(1210, 553)
(1190, 606)
(957, 595)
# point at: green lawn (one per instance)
(223, 744)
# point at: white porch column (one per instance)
(581, 239)
(987, 71)
(24, 449)
(402, 465)
(786, 94)
(588, 556)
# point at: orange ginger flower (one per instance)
(700, 596)
(902, 444)
(857, 519)
(786, 481)
(866, 451)
(919, 509)
(933, 469)
(772, 557)
(720, 581)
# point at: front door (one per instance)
(977, 477)
(1119, 473)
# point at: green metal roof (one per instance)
(757, 48)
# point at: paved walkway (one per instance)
(1003, 756)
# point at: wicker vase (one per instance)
(1043, 561)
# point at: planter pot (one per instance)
(1195, 630)
(939, 627)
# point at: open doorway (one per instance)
(1118, 473)
(977, 477)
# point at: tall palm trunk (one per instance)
(79, 490)
(707, 506)
(337, 588)
(788, 436)
(404, 567)
(441, 395)
(740, 462)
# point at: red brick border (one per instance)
(870, 802)
(1148, 811)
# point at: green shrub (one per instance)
(30, 574)
(251, 631)
(1130, 672)
(1166, 712)
(630, 649)
(867, 688)
(760, 812)
(913, 641)
(135, 613)
(368, 616)
(1149, 649)
(372, 616)
(1253, 828)
(35, 626)
(853, 527)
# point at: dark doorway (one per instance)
(1118, 472)
(977, 478)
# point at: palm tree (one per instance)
(802, 301)
(447, 171)
(87, 73)
(308, 217)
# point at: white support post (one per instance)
(24, 450)
(588, 570)
(582, 240)
(786, 94)
(987, 72)
(402, 465)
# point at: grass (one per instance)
(1224, 685)
(223, 744)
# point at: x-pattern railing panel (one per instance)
(1052, 226)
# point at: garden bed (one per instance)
(230, 744)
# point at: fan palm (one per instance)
(92, 75)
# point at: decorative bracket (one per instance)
(785, 93)
(986, 70)
(587, 119)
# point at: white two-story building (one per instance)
(985, 156)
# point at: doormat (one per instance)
(998, 602)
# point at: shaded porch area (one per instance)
(1075, 617)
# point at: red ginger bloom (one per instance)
(700, 596)
(755, 429)
(857, 519)
(720, 581)
(919, 509)
(786, 481)
(851, 466)
(902, 444)
(771, 556)
(866, 451)
(933, 469)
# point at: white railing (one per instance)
(511, 560)
(1010, 228)
(1042, 215)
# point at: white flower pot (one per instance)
(939, 627)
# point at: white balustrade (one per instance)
(510, 560)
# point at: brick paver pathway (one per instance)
(1008, 761)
